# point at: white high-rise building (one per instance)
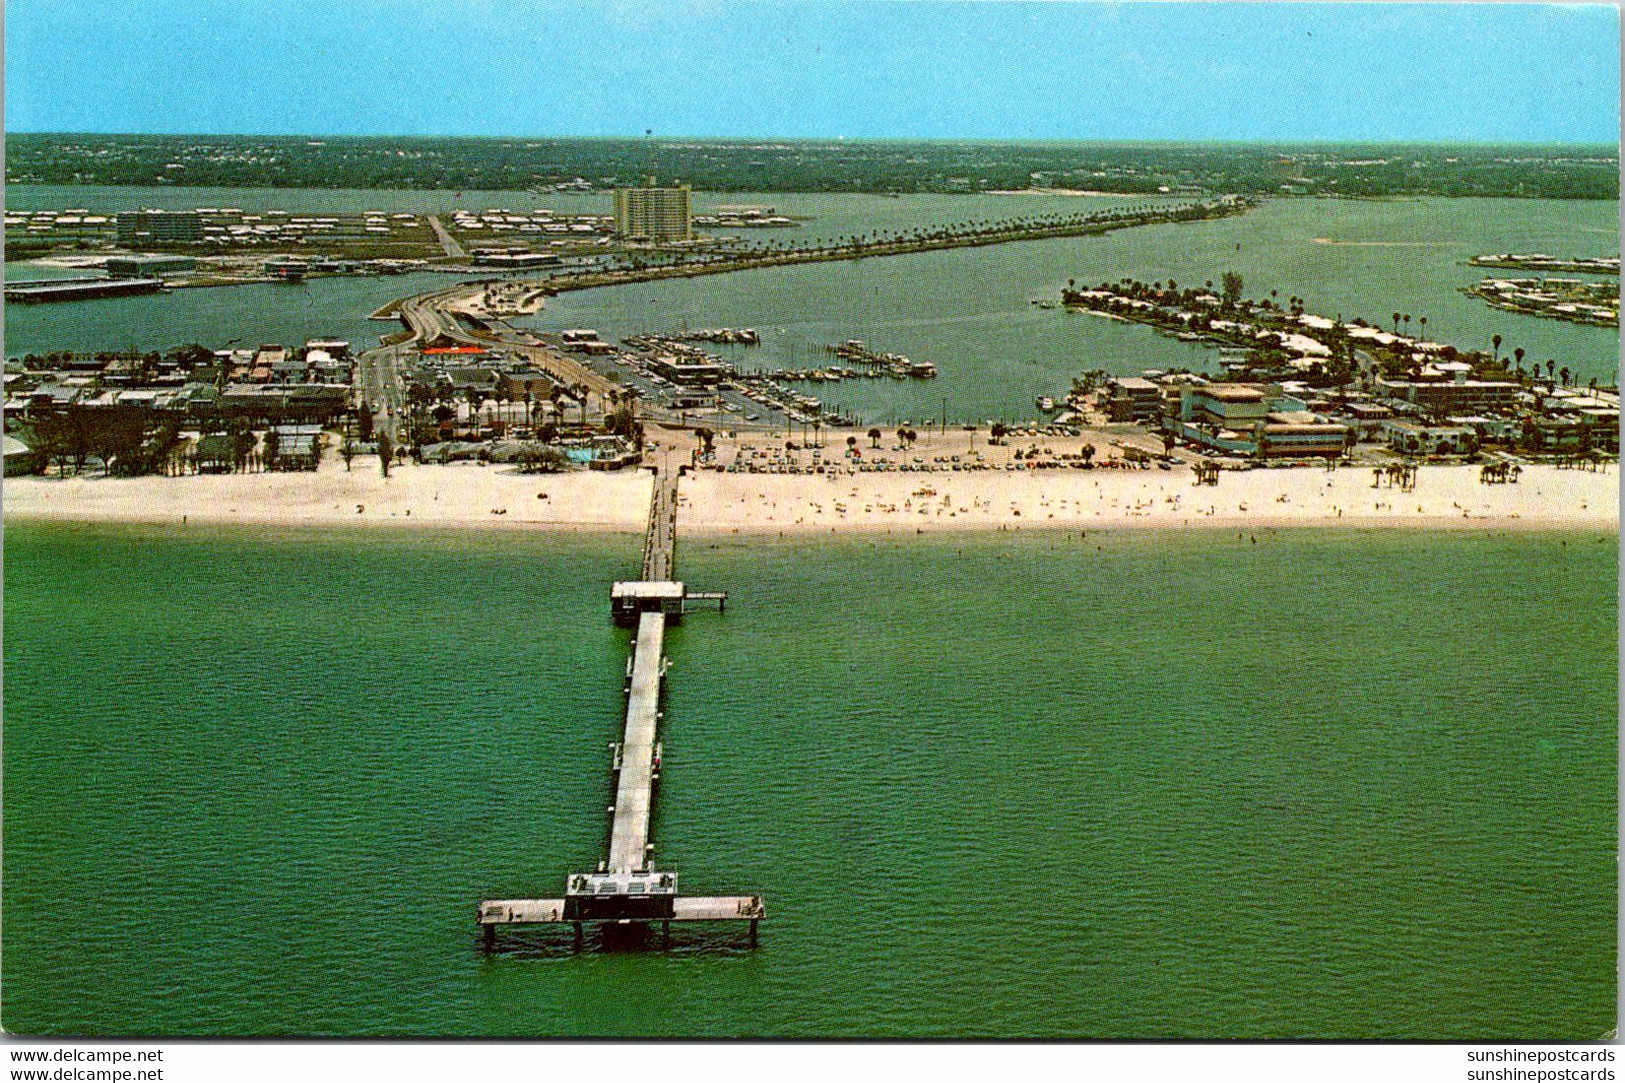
(653, 214)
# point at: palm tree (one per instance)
(1564, 373)
(1495, 341)
(874, 438)
(1517, 355)
(1551, 369)
(1396, 323)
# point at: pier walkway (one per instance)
(625, 889)
(660, 539)
(639, 759)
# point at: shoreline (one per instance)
(460, 496)
(715, 505)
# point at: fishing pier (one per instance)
(626, 890)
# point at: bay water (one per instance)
(969, 311)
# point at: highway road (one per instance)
(429, 317)
(447, 241)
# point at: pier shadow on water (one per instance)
(559, 941)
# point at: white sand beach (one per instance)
(467, 495)
(461, 495)
(1444, 497)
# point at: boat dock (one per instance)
(892, 364)
(625, 889)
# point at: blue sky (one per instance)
(1267, 71)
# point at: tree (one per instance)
(874, 438)
(1495, 342)
(116, 438)
(1167, 442)
(51, 441)
(1551, 369)
(1232, 287)
(386, 453)
(536, 458)
(363, 421)
(1088, 453)
(707, 440)
(347, 452)
(242, 444)
(997, 433)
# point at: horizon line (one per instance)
(1246, 141)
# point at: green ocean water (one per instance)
(1334, 784)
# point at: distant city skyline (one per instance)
(1277, 72)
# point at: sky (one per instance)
(1488, 72)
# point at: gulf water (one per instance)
(1336, 784)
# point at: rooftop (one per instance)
(657, 588)
(1230, 393)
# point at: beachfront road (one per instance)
(383, 388)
